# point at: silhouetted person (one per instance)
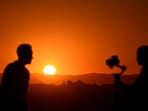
(140, 87)
(139, 90)
(15, 81)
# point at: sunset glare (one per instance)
(75, 35)
(49, 70)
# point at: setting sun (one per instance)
(49, 70)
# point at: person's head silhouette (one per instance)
(142, 55)
(24, 52)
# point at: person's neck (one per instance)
(21, 62)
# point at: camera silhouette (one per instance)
(114, 61)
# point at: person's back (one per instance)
(15, 84)
(15, 81)
(141, 83)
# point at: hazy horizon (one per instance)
(88, 78)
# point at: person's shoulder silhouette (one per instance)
(15, 80)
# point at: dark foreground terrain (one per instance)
(79, 93)
(76, 96)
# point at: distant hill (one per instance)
(90, 78)
(86, 78)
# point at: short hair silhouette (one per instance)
(142, 55)
(24, 52)
(23, 49)
(15, 81)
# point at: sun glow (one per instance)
(49, 70)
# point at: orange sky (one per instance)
(76, 36)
